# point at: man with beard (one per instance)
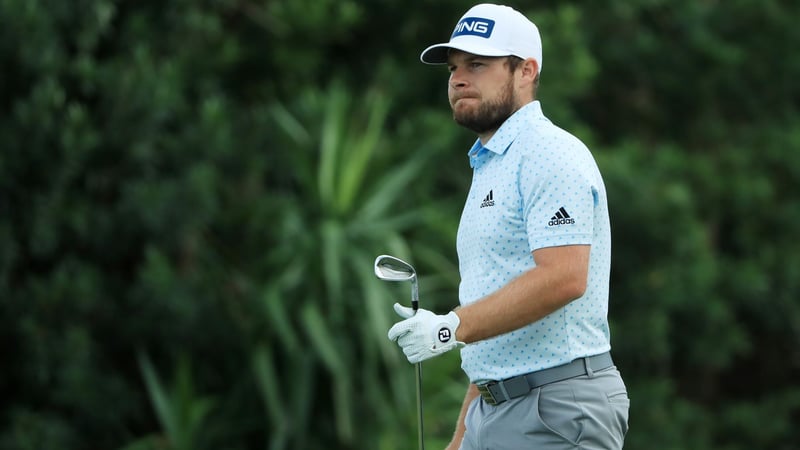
(534, 251)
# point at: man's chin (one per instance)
(463, 109)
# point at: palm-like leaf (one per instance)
(355, 207)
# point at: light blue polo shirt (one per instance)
(534, 185)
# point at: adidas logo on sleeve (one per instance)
(561, 218)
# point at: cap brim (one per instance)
(437, 54)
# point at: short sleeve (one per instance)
(559, 197)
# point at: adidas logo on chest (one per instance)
(488, 201)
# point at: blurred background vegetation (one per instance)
(192, 194)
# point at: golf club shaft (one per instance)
(390, 268)
(418, 366)
(419, 406)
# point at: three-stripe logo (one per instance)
(488, 201)
(561, 218)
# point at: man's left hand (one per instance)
(424, 335)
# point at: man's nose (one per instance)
(457, 79)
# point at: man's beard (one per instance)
(490, 115)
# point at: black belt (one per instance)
(496, 392)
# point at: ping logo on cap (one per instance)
(475, 26)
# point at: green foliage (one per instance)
(192, 195)
(180, 412)
(706, 305)
(340, 216)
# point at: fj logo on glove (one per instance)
(444, 335)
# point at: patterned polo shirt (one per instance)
(534, 186)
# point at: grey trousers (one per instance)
(586, 412)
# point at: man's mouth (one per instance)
(463, 97)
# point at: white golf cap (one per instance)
(490, 30)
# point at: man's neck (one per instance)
(484, 137)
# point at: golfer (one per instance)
(534, 250)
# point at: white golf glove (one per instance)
(424, 335)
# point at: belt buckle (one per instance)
(486, 392)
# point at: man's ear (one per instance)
(530, 68)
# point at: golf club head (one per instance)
(390, 268)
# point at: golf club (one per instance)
(389, 268)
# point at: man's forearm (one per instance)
(458, 435)
(559, 277)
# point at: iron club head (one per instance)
(390, 268)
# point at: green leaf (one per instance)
(158, 396)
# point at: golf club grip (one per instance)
(414, 305)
